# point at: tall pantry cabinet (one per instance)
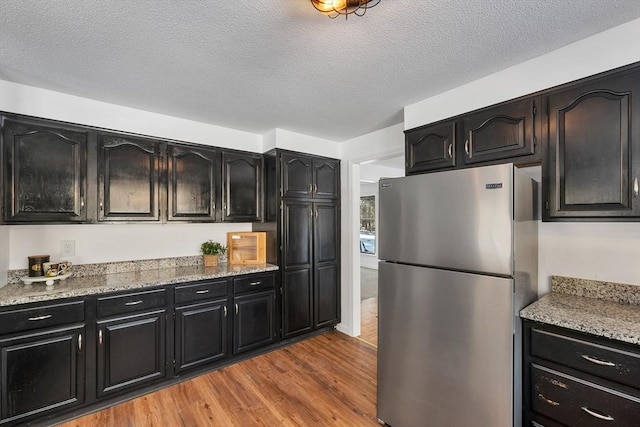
(302, 220)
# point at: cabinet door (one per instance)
(592, 166)
(326, 179)
(131, 351)
(253, 324)
(430, 148)
(501, 132)
(45, 171)
(297, 175)
(241, 187)
(41, 373)
(326, 245)
(129, 178)
(191, 184)
(200, 334)
(297, 276)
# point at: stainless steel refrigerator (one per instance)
(458, 254)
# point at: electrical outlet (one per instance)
(67, 248)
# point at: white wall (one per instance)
(114, 242)
(382, 144)
(307, 144)
(4, 253)
(601, 251)
(604, 51)
(21, 99)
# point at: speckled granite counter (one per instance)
(18, 293)
(610, 310)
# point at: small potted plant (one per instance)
(211, 250)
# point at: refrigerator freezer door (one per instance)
(459, 220)
(445, 348)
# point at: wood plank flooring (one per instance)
(369, 316)
(328, 380)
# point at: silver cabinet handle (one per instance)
(635, 186)
(316, 213)
(597, 361)
(596, 415)
(80, 342)
(236, 308)
(37, 318)
(466, 147)
(225, 311)
(450, 150)
(101, 206)
(310, 189)
(315, 188)
(133, 302)
(203, 291)
(550, 402)
(100, 336)
(255, 283)
(82, 202)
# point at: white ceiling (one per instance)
(260, 64)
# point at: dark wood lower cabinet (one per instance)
(50, 370)
(297, 302)
(575, 379)
(253, 325)
(41, 372)
(131, 351)
(200, 334)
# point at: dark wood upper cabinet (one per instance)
(592, 163)
(45, 174)
(326, 178)
(191, 184)
(241, 187)
(501, 132)
(309, 176)
(129, 178)
(430, 148)
(297, 175)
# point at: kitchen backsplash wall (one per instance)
(99, 243)
(4, 253)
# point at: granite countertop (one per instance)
(610, 310)
(19, 293)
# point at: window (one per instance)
(368, 225)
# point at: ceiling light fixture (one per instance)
(335, 8)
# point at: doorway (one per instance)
(370, 173)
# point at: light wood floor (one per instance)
(369, 316)
(329, 380)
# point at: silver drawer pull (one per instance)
(133, 302)
(35, 319)
(596, 415)
(550, 402)
(80, 342)
(225, 311)
(255, 283)
(597, 361)
(203, 291)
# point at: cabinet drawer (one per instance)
(577, 402)
(41, 317)
(253, 283)
(606, 362)
(128, 303)
(200, 291)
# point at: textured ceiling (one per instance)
(260, 64)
